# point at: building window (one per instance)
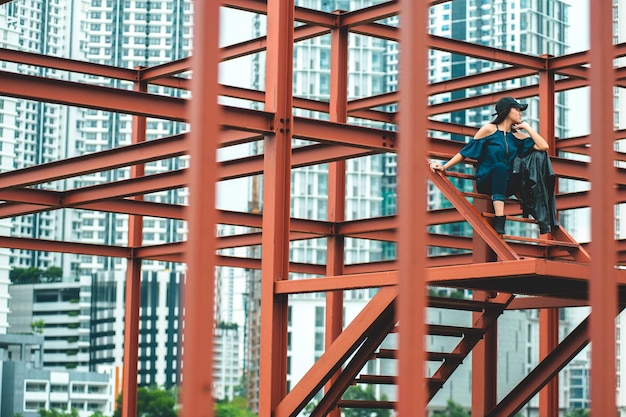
(319, 341)
(34, 405)
(319, 316)
(36, 386)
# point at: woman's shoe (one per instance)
(498, 224)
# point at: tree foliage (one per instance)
(355, 392)
(37, 326)
(151, 402)
(238, 407)
(58, 413)
(578, 412)
(33, 275)
(452, 410)
(53, 274)
(30, 275)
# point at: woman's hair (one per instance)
(501, 116)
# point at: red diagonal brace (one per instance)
(473, 217)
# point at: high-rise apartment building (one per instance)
(160, 318)
(44, 132)
(131, 34)
(60, 312)
(126, 34)
(9, 38)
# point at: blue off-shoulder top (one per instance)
(496, 148)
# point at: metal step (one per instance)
(459, 331)
(460, 303)
(366, 404)
(430, 356)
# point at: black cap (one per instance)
(507, 103)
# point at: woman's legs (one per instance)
(498, 207)
(496, 185)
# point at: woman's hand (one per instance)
(540, 142)
(523, 125)
(435, 166)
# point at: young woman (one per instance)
(494, 147)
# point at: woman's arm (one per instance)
(540, 142)
(483, 132)
(435, 166)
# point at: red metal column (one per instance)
(336, 190)
(484, 367)
(548, 318)
(199, 287)
(548, 341)
(413, 109)
(485, 353)
(547, 105)
(602, 282)
(276, 187)
(133, 283)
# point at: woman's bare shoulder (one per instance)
(521, 135)
(485, 131)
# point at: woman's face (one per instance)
(515, 115)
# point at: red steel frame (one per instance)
(402, 283)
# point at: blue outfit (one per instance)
(495, 154)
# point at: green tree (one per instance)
(53, 274)
(37, 326)
(452, 410)
(57, 413)
(238, 407)
(578, 412)
(357, 393)
(151, 402)
(29, 275)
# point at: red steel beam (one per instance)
(333, 357)
(56, 246)
(145, 208)
(161, 251)
(529, 303)
(544, 371)
(165, 70)
(413, 107)
(484, 370)
(99, 161)
(335, 261)
(276, 197)
(301, 14)
(370, 14)
(132, 306)
(487, 53)
(328, 405)
(548, 342)
(259, 44)
(199, 286)
(125, 188)
(602, 292)
(548, 318)
(70, 65)
(92, 96)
